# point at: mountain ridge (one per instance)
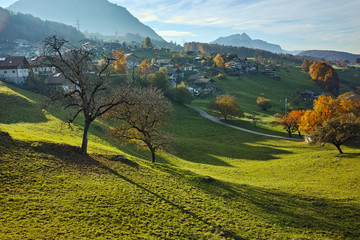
(243, 40)
(329, 55)
(33, 29)
(99, 16)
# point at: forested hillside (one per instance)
(32, 29)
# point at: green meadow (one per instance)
(215, 182)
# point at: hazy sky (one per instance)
(294, 24)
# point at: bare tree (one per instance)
(88, 92)
(145, 116)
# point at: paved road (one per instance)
(215, 119)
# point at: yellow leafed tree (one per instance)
(120, 60)
(219, 61)
(227, 106)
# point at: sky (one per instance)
(293, 24)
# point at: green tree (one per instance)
(227, 106)
(263, 103)
(147, 42)
(181, 94)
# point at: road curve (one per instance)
(216, 120)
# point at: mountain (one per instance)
(242, 52)
(97, 16)
(32, 29)
(243, 40)
(329, 55)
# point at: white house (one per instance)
(40, 67)
(14, 69)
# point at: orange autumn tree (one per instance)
(145, 69)
(325, 108)
(119, 60)
(332, 120)
(291, 121)
(326, 77)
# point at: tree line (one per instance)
(242, 52)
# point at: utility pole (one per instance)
(286, 105)
(78, 24)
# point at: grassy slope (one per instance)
(348, 76)
(247, 88)
(257, 188)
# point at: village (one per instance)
(197, 70)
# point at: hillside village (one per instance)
(192, 68)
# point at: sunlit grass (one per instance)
(238, 157)
(216, 183)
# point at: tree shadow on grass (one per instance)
(205, 153)
(70, 155)
(199, 139)
(299, 212)
(226, 233)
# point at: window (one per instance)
(5, 71)
(13, 71)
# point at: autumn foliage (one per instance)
(227, 106)
(219, 61)
(325, 108)
(327, 121)
(119, 60)
(291, 121)
(145, 69)
(326, 77)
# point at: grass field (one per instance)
(248, 87)
(216, 183)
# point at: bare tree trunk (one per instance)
(85, 137)
(289, 132)
(153, 155)
(338, 148)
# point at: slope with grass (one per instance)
(248, 87)
(216, 183)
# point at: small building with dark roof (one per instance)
(14, 69)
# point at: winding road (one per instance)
(216, 120)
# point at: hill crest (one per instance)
(93, 15)
(329, 55)
(243, 40)
(33, 29)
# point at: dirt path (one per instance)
(215, 119)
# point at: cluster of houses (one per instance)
(240, 66)
(16, 69)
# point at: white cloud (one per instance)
(332, 22)
(173, 33)
(147, 16)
